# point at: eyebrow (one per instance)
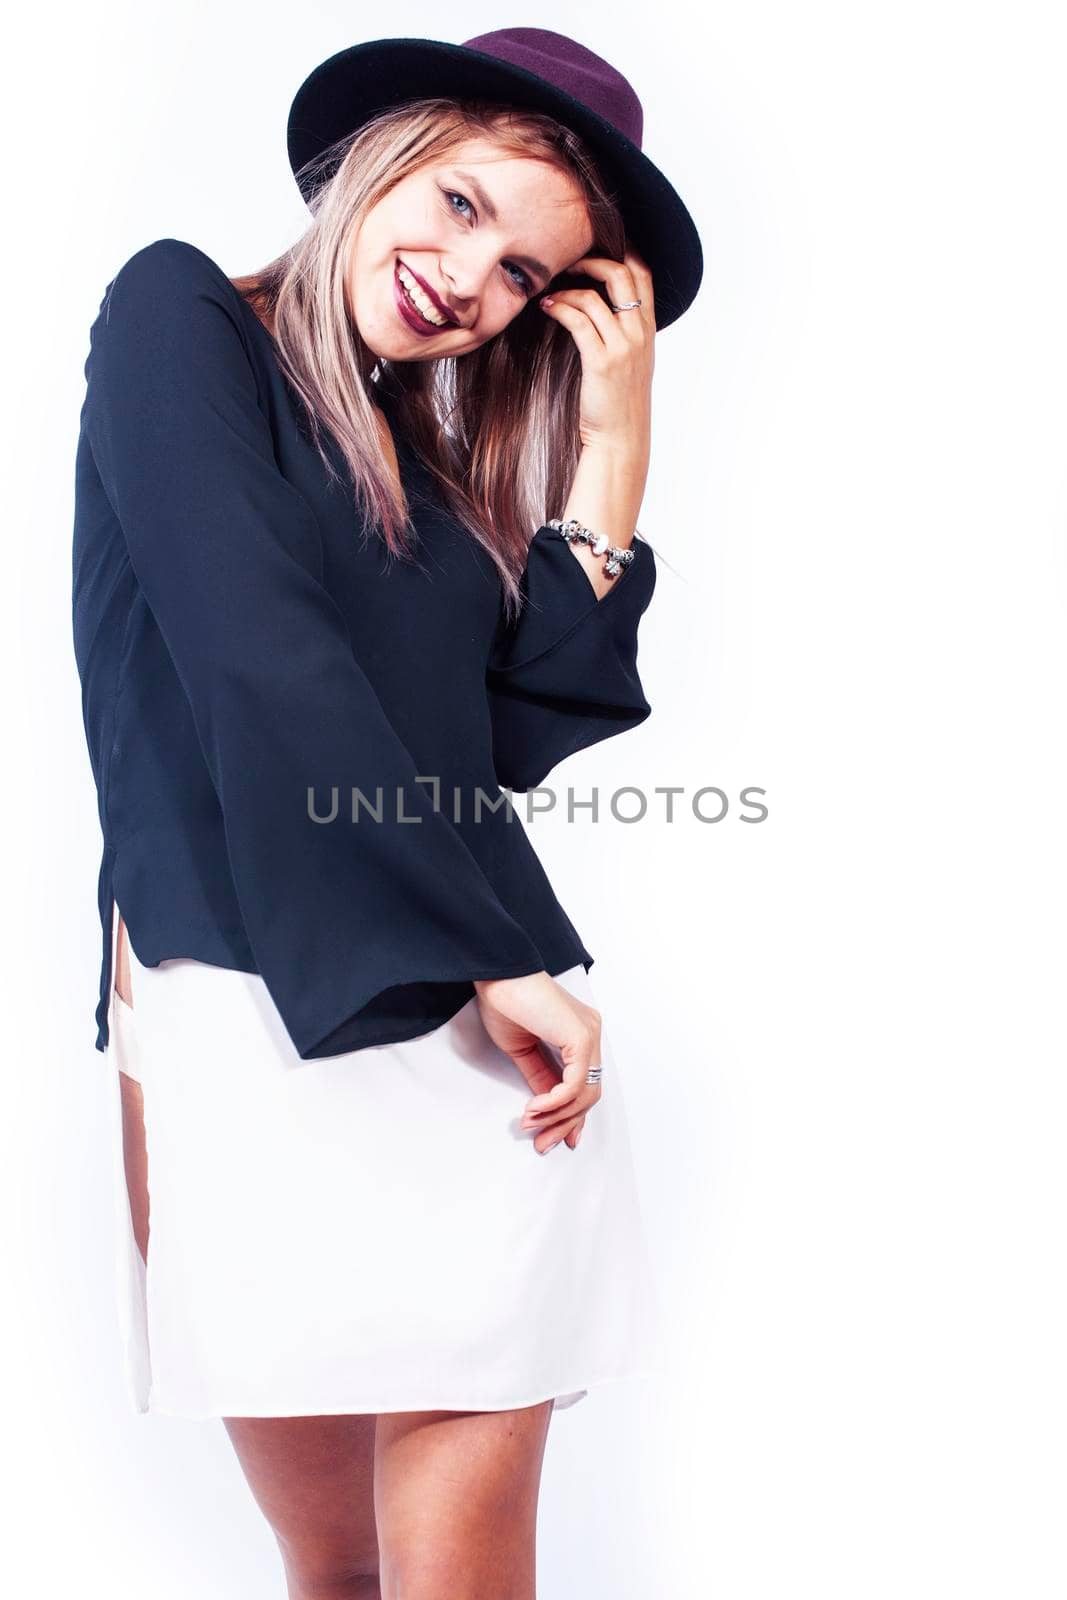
(538, 268)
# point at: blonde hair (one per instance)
(498, 427)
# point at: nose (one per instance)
(464, 283)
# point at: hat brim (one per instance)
(346, 90)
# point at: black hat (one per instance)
(530, 68)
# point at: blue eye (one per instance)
(524, 282)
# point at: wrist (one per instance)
(483, 984)
(625, 452)
(619, 554)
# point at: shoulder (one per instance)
(170, 279)
(171, 263)
(172, 294)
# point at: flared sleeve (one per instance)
(564, 674)
(229, 556)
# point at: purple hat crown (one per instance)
(571, 67)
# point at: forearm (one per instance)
(606, 496)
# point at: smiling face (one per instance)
(456, 250)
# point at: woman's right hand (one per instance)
(520, 1012)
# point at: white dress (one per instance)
(372, 1232)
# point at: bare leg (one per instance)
(313, 1479)
(136, 1158)
(135, 1150)
(122, 963)
(456, 1498)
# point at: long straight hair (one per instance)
(498, 427)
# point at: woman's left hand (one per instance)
(617, 350)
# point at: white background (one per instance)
(843, 1025)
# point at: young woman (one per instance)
(317, 643)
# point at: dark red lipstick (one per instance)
(410, 312)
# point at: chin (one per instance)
(383, 344)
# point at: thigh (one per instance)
(456, 1499)
(134, 1145)
(313, 1479)
(135, 1158)
(122, 961)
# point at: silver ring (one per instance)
(627, 305)
(593, 1075)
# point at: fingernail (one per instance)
(547, 300)
(577, 1137)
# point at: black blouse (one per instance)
(290, 733)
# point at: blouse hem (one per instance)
(306, 1050)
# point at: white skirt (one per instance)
(372, 1232)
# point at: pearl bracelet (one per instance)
(598, 543)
